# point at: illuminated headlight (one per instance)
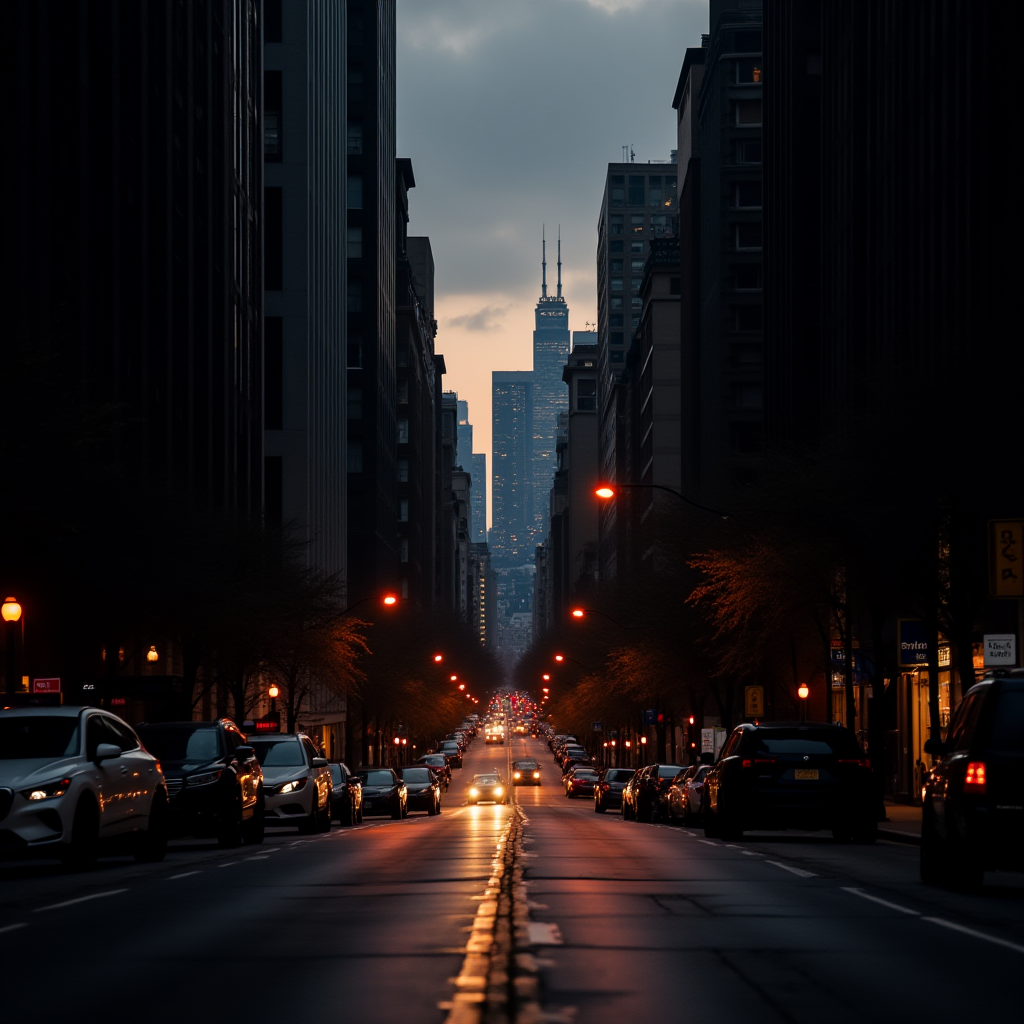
(291, 787)
(48, 790)
(498, 791)
(205, 779)
(474, 791)
(516, 775)
(536, 775)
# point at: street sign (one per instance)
(753, 701)
(1000, 650)
(598, 726)
(912, 643)
(651, 716)
(46, 685)
(1006, 557)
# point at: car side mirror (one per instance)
(105, 751)
(935, 747)
(319, 762)
(244, 753)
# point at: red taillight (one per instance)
(757, 762)
(860, 762)
(974, 780)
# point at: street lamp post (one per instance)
(579, 614)
(803, 691)
(608, 491)
(14, 630)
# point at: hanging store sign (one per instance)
(911, 643)
(1006, 557)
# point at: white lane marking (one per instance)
(12, 927)
(184, 874)
(707, 842)
(977, 935)
(796, 871)
(228, 864)
(258, 856)
(80, 899)
(731, 846)
(685, 833)
(750, 853)
(876, 899)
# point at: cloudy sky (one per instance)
(510, 111)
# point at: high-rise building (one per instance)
(550, 351)
(478, 499)
(514, 531)
(638, 205)
(371, 236)
(483, 610)
(304, 248)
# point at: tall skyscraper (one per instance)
(478, 498)
(550, 352)
(514, 532)
(304, 329)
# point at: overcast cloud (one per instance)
(510, 111)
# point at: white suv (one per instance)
(72, 776)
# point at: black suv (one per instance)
(973, 815)
(800, 775)
(214, 782)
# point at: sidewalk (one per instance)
(904, 824)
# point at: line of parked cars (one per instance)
(73, 779)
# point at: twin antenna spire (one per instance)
(544, 263)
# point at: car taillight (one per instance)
(974, 780)
(860, 762)
(605, 787)
(757, 762)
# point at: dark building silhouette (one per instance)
(133, 248)
(513, 533)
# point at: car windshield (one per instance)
(485, 780)
(820, 741)
(585, 773)
(279, 754)
(668, 771)
(181, 742)
(449, 745)
(434, 759)
(416, 774)
(525, 765)
(1008, 727)
(37, 736)
(377, 778)
(618, 775)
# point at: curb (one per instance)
(897, 836)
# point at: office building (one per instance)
(478, 499)
(304, 250)
(514, 531)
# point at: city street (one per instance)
(633, 922)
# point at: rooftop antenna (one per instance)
(625, 153)
(543, 265)
(559, 260)
(632, 155)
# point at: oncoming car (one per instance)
(487, 787)
(525, 772)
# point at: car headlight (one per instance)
(48, 790)
(536, 775)
(291, 787)
(498, 791)
(474, 791)
(516, 775)
(205, 779)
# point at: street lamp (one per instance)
(581, 613)
(803, 691)
(608, 491)
(546, 677)
(565, 657)
(14, 627)
(438, 658)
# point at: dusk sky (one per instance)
(510, 112)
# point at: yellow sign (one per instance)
(1006, 557)
(754, 701)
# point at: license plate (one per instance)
(805, 773)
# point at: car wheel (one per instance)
(359, 820)
(710, 824)
(599, 808)
(85, 835)
(229, 835)
(255, 829)
(151, 845)
(934, 868)
(396, 814)
(325, 818)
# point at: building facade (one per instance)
(514, 532)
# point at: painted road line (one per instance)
(750, 853)
(876, 899)
(228, 864)
(12, 927)
(796, 871)
(707, 842)
(184, 874)
(258, 856)
(977, 935)
(80, 899)
(685, 833)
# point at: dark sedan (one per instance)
(384, 792)
(441, 768)
(608, 791)
(347, 797)
(525, 772)
(424, 791)
(641, 800)
(214, 781)
(777, 776)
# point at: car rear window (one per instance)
(416, 774)
(25, 737)
(1008, 727)
(668, 771)
(377, 778)
(804, 741)
(618, 775)
(282, 754)
(181, 742)
(585, 773)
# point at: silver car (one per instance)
(684, 799)
(296, 782)
(71, 777)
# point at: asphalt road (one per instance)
(638, 923)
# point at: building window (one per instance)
(616, 357)
(675, 286)
(637, 266)
(750, 152)
(747, 396)
(272, 116)
(748, 195)
(354, 238)
(634, 322)
(635, 247)
(355, 192)
(355, 83)
(654, 190)
(403, 549)
(615, 320)
(586, 395)
(616, 225)
(636, 303)
(618, 338)
(355, 403)
(403, 471)
(403, 392)
(355, 456)
(634, 285)
(354, 138)
(403, 431)
(660, 225)
(273, 239)
(636, 222)
(748, 277)
(271, 21)
(748, 318)
(748, 236)
(617, 302)
(636, 190)
(403, 510)
(402, 354)
(748, 113)
(354, 298)
(273, 372)
(748, 70)
(616, 246)
(615, 266)
(616, 284)
(355, 355)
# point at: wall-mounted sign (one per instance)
(911, 643)
(1006, 557)
(753, 701)
(46, 685)
(1000, 650)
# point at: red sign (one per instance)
(46, 685)
(118, 702)
(262, 725)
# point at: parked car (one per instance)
(384, 792)
(682, 800)
(452, 751)
(525, 772)
(346, 795)
(72, 778)
(608, 791)
(423, 789)
(973, 814)
(580, 781)
(440, 764)
(214, 780)
(778, 776)
(642, 793)
(296, 780)
(487, 786)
